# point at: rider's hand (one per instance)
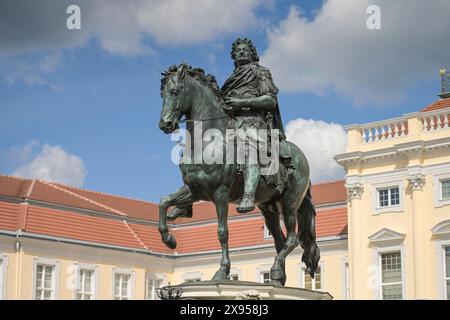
(235, 104)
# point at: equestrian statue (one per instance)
(245, 111)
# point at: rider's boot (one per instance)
(251, 178)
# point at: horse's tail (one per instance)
(306, 217)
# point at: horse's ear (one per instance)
(180, 71)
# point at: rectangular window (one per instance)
(152, 288)
(388, 197)
(391, 276)
(347, 282)
(45, 282)
(193, 280)
(267, 233)
(85, 284)
(445, 189)
(2, 288)
(310, 283)
(447, 272)
(265, 277)
(122, 286)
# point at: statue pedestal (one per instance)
(242, 290)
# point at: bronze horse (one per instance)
(188, 92)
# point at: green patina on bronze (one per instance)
(248, 99)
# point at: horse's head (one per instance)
(172, 91)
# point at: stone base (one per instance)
(242, 290)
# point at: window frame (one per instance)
(3, 276)
(190, 276)
(437, 181)
(375, 194)
(94, 279)
(151, 276)
(389, 199)
(130, 288)
(313, 281)
(261, 277)
(444, 275)
(55, 276)
(380, 263)
(345, 268)
(441, 193)
(378, 251)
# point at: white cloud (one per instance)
(122, 27)
(31, 71)
(320, 141)
(336, 49)
(53, 164)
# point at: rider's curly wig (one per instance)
(238, 41)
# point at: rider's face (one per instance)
(243, 54)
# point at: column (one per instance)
(357, 276)
(416, 183)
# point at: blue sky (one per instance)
(82, 107)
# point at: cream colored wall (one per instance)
(401, 222)
(248, 265)
(67, 255)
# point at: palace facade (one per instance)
(383, 232)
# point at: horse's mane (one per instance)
(197, 73)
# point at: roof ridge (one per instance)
(135, 235)
(83, 198)
(14, 177)
(83, 189)
(106, 194)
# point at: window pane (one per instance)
(391, 267)
(448, 289)
(383, 197)
(265, 277)
(392, 292)
(308, 283)
(313, 284)
(47, 295)
(445, 185)
(447, 262)
(116, 284)
(395, 196)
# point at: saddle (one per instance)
(285, 168)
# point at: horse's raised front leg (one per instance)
(181, 197)
(221, 202)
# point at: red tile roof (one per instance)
(329, 192)
(440, 104)
(121, 229)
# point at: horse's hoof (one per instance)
(220, 275)
(278, 276)
(170, 242)
(276, 283)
